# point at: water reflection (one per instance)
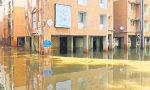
(131, 54)
(119, 70)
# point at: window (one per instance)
(146, 10)
(129, 7)
(82, 2)
(145, 26)
(103, 21)
(132, 23)
(103, 3)
(33, 2)
(132, 6)
(34, 20)
(81, 19)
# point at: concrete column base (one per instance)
(133, 42)
(86, 44)
(105, 44)
(111, 42)
(125, 42)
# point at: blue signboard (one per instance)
(47, 43)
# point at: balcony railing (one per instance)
(137, 2)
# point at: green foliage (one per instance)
(0, 2)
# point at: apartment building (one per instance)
(72, 25)
(127, 23)
(14, 32)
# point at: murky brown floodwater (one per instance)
(118, 70)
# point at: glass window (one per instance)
(132, 6)
(82, 2)
(146, 10)
(33, 2)
(82, 19)
(103, 21)
(145, 26)
(132, 23)
(103, 3)
(34, 20)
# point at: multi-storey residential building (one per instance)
(127, 22)
(14, 32)
(71, 25)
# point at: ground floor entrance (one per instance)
(63, 45)
(21, 42)
(131, 41)
(79, 44)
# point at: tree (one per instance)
(0, 2)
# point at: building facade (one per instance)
(72, 26)
(13, 27)
(127, 23)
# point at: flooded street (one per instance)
(117, 70)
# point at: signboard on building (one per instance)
(47, 43)
(63, 16)
(49, 22)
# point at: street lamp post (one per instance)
(141, 24)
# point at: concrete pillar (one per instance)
(120, 42)
(91, 43)
(110, 55)
(125, 41)
(86, 45)
(133, 42)
(105, 55)
(105, 43)
(98, 44)
(126, 55)
(145, 41)
(148, 42)
(32, 45)
(111, 42)
(71, 44)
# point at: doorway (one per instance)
(101, 43)
(63, 45)
(21, 42)
(94, 44)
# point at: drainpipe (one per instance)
(141, 24)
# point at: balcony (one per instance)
(137, 19)
(136, 2)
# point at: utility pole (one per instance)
(41, 13)
(3, 38)
(141, 24)
(10, 28)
